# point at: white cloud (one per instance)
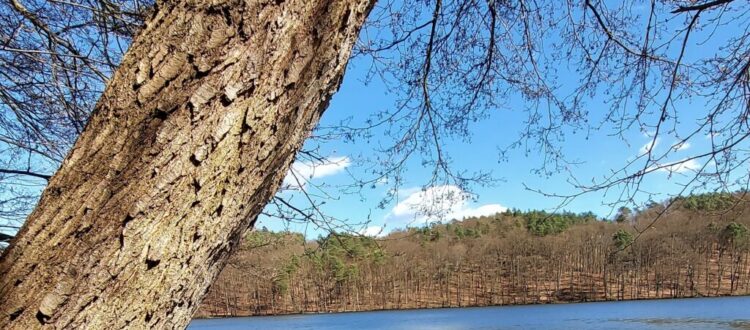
(373, 231)
(681, 146)
(438, 203)
(432, 200)
(488, 209)
(680, 166)
(308, 171)
(328, 167)
(712, 135)
(648, 147)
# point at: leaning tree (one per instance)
(190, 139)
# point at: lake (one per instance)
(697, 313)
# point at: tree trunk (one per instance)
(191, 138)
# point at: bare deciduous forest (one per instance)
(700, 248)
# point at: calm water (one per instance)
(701, 313)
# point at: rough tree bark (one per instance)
(191, 138)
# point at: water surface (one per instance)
(698, 313)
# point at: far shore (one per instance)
(469, 306)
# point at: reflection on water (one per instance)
(702, 313)
(690, 322)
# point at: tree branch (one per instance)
(701, 7)
(29, 173)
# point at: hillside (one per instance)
(699, 247)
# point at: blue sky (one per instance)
(598, 153)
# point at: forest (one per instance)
(696, 247)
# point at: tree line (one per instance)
(698, 247)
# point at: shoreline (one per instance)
(470, 306)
